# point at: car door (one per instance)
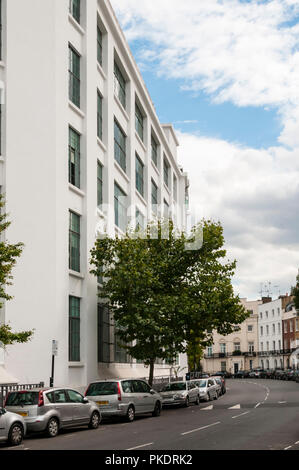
(149, 399)
(211, 388)
(139, 396)
(192, 391)
(3, 425)
(80, 410)
(62, 408)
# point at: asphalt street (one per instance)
(252, 415)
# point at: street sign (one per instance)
(54, 347)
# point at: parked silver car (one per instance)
(53, 409)
(208, 388)
(180, 393)
(126, 397)
(12, 427)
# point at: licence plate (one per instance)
(22, 413)
(103, 402)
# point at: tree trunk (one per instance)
(151, 372)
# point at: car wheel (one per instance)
(130, 414)
(52, 427)
(94, 420)
(197, 402)
(187, 402)
(16, 434)
(209, 397)
(157, 410)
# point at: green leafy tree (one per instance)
(8, 257)
(295, 293)
(163, 296)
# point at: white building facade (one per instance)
(80, 145)
(271, 335)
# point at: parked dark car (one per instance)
(221, 380)
(288, 374)
(255, 373)
(295, 376)
(278, 374)
(242, 374)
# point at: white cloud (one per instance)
(245, 53)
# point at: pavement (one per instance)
(254, 414)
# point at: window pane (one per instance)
(100, 184)
(100, 117)
(119, 146)
(154, 151)
(74, 242)
(154, 197)
(166, 172)
(139, 176)
(103, 334)
(100, 46)
(119, 85)
(74, 7)
(74, 77)
(74, 158)
(120, 208)
(74, 329)
(139, 122)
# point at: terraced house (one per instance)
(81, 148)
(238, 350)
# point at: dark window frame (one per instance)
(74, 329)
(74, 76)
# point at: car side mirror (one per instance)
(85, 400)
(2, 411)
(152, 391)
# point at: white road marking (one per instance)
(235, 407)
(258, 404)
(282, 402)
(199, 429)
(210, 407)
(242, 414)
(286, 448)
(143, 445)
(297, 442)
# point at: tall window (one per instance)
(222, 348)
(154, 147)
(119, 85)
(210, 351)
(119, 146)
(166, 209)
(120, 209)
(261, 331)
(74, 157)
(74, 329)
(154, 197)
(140, 220)
(251, 347)
(100, 116)
(166, 169)
(74, 7)
(138, 121)
(74, 76)
(237, 347)
(139, 176)
(175, 188)
(120, 354)
(74, 242)
(103, 333)
(99, 46)
(100, 184)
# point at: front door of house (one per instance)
(236, 367)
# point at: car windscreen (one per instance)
(22, 398)
(201, 383)
(174, 387)
(102, 388)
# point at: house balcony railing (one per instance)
(230, 354)
(276, 352)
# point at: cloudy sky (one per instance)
(226, 74)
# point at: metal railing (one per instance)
(7, 388)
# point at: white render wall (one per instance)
(270, 314)
(34, 175)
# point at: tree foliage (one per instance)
(164, 297)
(295, 293)
(8, 257)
